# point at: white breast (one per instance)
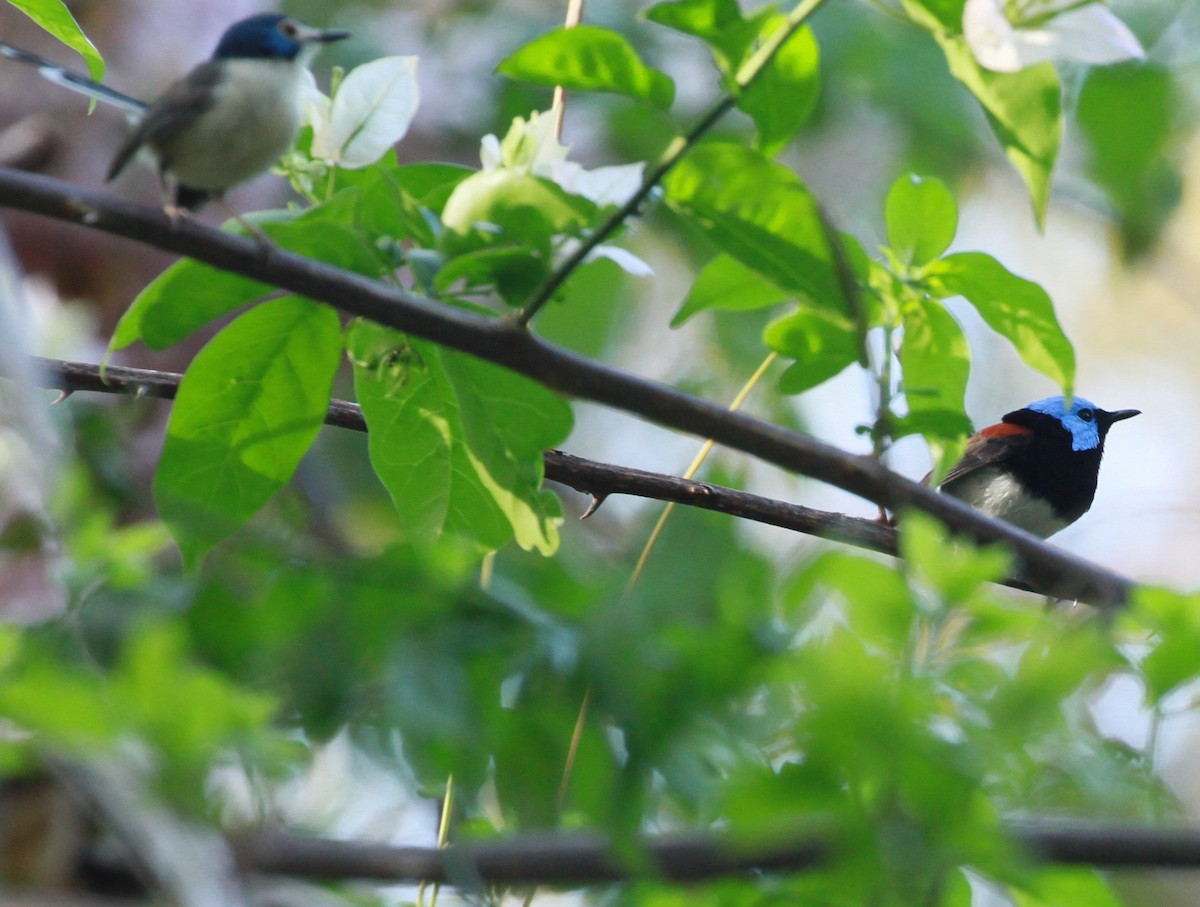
(252, 122)
(999, 495)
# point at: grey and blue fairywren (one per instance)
(1037, 468)
(227, 120)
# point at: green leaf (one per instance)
(936, 361)
(784, 95)
(1174, 657)
(1173, 662)
(248, 409)
(188, 713)
(935, 358)
(709, 20)
(760, 213)
(589, 58)
(184, 298)
(508, 422)
(1023, 108)
(822, 343)
(189, 295)
(880, 606)
(944, 15)
(921, 218)
(457, 442)
(1016, 308)
(1127, 114)
(955, 569)
(54, 17)
(66, 704)
(726, 283)
(527, 209)
(1058, 886)
(431, 184)
(390, 213)
(411, 435)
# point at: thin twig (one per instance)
(680, 146)
(587, 476)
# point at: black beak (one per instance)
(1106, 418)
(328, 37)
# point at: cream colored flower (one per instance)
(1009, 35)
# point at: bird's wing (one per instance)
(988, 446)
(51, 71)
(183, 101)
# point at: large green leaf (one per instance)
(1023, 108)
(1058, 885)
(921, 218)
(589, 58)
(936, 362)
(1018, 309)
(525, 208)
(1174, 622)
(937, 14)
(457, 442)
(1128, 115)
(954, 571)
(822, 343)
(718, 23)
(785, 93)
(54, 17)
(188, 295)
(248, 408)
(760, 213)
(411, 430)
(726, 283)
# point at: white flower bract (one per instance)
(1009, 35)
(370, 112)
(532, 148)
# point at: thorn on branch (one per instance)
(597, 500)
(62, 395)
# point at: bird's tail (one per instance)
(74, 81)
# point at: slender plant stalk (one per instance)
(746, 74)
(691, 471)
(559, 107)
(573, 748)
(697, 462)
(443, 834)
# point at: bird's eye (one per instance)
(1086, 415)
(288, 28)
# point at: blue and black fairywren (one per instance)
(1037, 468)
(227, 120)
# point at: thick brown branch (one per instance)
(582, 859)
(505, 343)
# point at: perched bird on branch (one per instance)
(227, 120)
(1038, 467)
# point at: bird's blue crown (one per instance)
(1079, 419)
(257, 37)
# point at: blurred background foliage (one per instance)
(325, 672)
